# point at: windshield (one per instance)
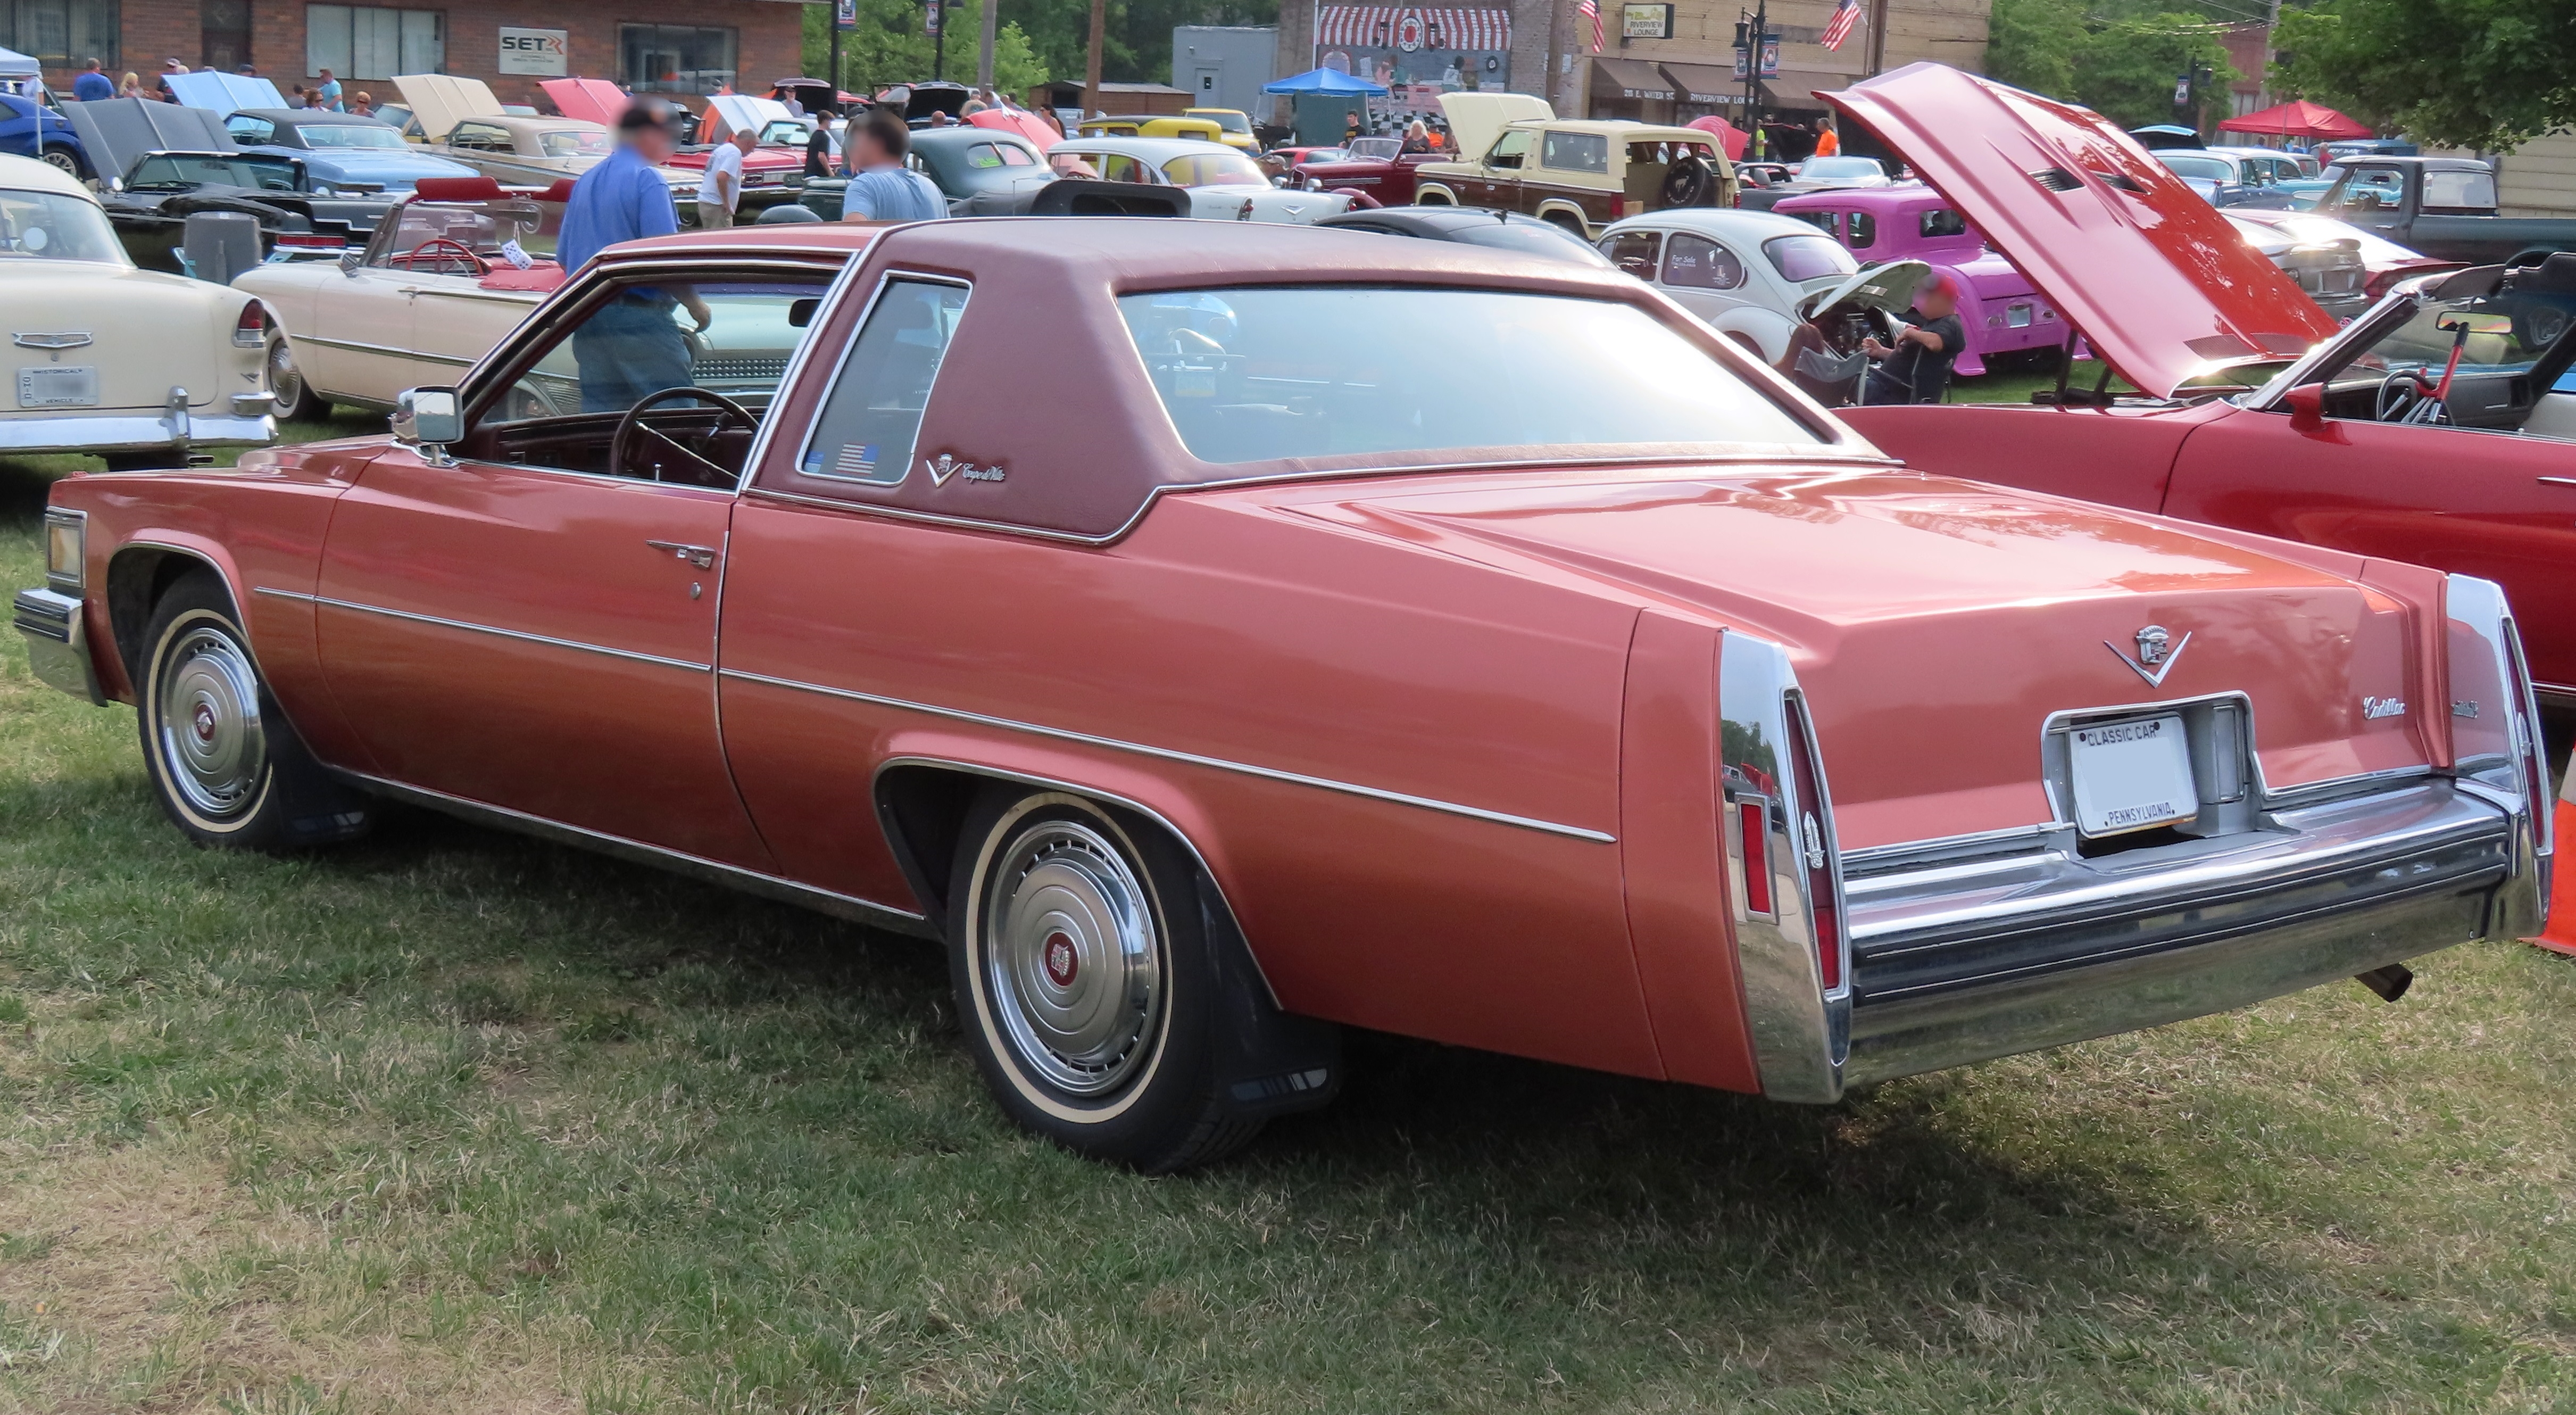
(179, 172)
(1227, 119)
(1839, 169)
(1808, 257)
(346, 135)
(425, 236)
(1538, 238)
(2200, 165)
(2499, 335)
(1364, 149)
(53, 226)
(573, 142)
(1255, 375)
(1218, 167)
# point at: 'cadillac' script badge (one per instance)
(2158, 651)
(2383, 707)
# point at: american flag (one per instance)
(1839, 28)
(1591, 10)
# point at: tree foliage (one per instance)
(2119, 60)
(1040, 39)
(2483, 74)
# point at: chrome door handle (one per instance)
(2557, 481)
(702, 556)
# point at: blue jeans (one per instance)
(626, 350)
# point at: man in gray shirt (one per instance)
(881, 187)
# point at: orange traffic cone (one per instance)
(2560, 936)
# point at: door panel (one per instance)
(2474, 503)
(362, 323)
(509, 635)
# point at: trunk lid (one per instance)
(1936, 624)
(149, 332)
(2152, 274)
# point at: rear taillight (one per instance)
(2495, 716)
(1753, 829)
(2530, 744)
(250, 330)
(311, 241)
(1812, 836)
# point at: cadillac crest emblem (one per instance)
(2158, 651)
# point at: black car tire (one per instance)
(227, 767)
(1086, 983)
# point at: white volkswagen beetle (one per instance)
(1751, 275)
(1224, 185)
(130, 365)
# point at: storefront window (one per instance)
(64, 34)
(369, 42)
(675, 58)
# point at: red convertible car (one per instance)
(2439, 427)
(1581, 692)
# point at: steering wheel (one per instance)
(2403, 394)
(632, 425)
(1689, 181)
(442, 249)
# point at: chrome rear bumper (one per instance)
(249, 426)
(1962, 953)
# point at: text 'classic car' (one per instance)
(1581, 691)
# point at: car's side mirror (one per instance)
(2307, 405)
(351, 262)
(428, 417)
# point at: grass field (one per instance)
(449, 1121)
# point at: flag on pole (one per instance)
(1839, 28)
(1591, 10)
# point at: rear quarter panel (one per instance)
(2118, 457)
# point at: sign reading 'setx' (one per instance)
(535, 51)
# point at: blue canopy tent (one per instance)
(1321, 97)
(1332, 82)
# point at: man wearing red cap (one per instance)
(1917, 368)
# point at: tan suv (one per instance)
(1580, 173)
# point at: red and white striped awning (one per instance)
(1411, 27)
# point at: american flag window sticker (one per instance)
(857, 459)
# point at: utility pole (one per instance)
(1756, 42)
(937, 10)
(835, 78)
(1091, 64)
(1555, 56)
(1878, 35)
(992, 29)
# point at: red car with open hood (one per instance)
(1572, 688)
(2438, 428)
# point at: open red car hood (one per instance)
(2155, 278)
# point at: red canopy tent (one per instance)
(2297, 118)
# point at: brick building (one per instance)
(674, 46)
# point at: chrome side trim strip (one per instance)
(1060, 734)
(355, 347)
(846, 906)
(523, 637)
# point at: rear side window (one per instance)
(2459, 191)
(1576, 152)
(1264, 374)
(1861, 230)
(1697, 263)
(1942, 222)
(872, 416)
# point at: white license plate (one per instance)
(66, 386)
(2131, 775)
(2017, 316)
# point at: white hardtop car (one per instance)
(131, 365)
(1223, 183)
(1751, 275)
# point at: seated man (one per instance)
(1917, 369)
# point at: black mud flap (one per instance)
(1268, 1062)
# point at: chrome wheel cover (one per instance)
(61, 161)
(1072, 958)
(213, 748)
(283, 379)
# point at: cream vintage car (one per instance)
(131, 365)
(1582, 174)
(434, 290)
(462, 120)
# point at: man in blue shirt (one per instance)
(93, 86)
(632, 345)
(881, 187)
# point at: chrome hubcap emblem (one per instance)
(1073, 961)
(214, 762)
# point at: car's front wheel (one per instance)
(1084, 978)
(63, 160)
(227, 767)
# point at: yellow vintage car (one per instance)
(1234, 127)
(1153, 125)
(131, 365)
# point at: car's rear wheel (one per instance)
(1084, 978)
(227, 767)
(296, 400)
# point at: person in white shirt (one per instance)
(720, 194)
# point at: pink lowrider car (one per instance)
(2002, 313)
